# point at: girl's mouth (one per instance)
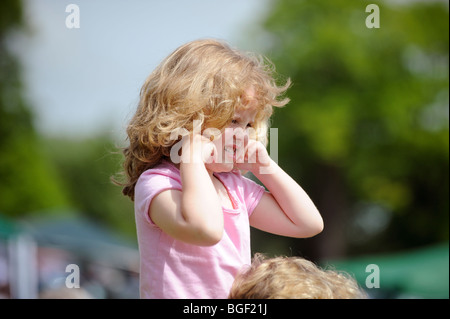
(231, 151)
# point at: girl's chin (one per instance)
(220, 167)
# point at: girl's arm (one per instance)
(194, 215)
(286, 209)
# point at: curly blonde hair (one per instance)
(202, 80)
(292, 278)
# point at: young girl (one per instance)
(193, 208)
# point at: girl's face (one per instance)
(230, 145)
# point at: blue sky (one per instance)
(83, 81)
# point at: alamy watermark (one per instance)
(373, 19)
(73, 18)
(373, 279)
(73, 278)
(231, 145)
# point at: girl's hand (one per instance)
(194, 214)
(197, 149)
(252, 157)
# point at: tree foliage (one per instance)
(366, 132)
(86, 166)
(27, 180)
(50, 176)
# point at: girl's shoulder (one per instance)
(162, 176)
(165, 168)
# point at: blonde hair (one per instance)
(202, 80)
(292, 278)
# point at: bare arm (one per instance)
(286, 210)
(194, 215)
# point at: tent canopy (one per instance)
(7, 227)
(86, 238)
(422, 273)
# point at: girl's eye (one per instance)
(236, 122)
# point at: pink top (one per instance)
(174, 269)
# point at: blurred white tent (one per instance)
(34, 255)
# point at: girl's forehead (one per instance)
(250, 98)
(246, 113)
(250, 93)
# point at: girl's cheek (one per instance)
(218, 142)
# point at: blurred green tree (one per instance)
(27, 180)
(366, 133)
(86, 166)
(49, 176)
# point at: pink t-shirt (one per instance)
(174, 269)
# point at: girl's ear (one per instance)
(211, 133)
(210, 154)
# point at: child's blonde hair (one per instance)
(292, 278)
(202, 80)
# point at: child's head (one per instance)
(292, 278)
(202, 80)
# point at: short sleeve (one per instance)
(252, 194)
(151, 183)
